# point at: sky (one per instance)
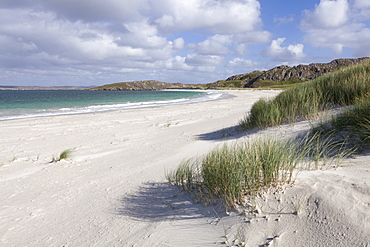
(95, 42)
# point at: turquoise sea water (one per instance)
(15, 104)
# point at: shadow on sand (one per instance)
(230, 133)
(160, 201)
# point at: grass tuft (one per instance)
(352, 126)
(231, 173)
(355, 120)
(63, 155)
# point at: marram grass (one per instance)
(343, 87)
(353, 123)
(355, 120)
(232, 173)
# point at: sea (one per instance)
(18, 104)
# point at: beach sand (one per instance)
(113, 191)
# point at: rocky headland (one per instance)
(285, 74)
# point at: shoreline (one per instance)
(113, 191)
(96, 109)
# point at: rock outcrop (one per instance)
(285, 74)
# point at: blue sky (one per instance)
(94, 42)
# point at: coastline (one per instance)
(127, 102)
(113, 192)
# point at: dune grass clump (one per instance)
(338, 88)
(185, 176)
(355, 120)
(263, 114)
(231, 173)
(353, 123)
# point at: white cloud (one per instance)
(204, 68)
(29, 46)
(141, 34)
(215, 45)
(337, 25)
(361, 44)
(178, 44)
(213, 50)
(354, 36)
(290, 53)
(361, 10)
(241, 63)
(327, 14)
(362, 4)
(78, 41)
(255, 37)
(169, 15)
(228, 16)
(85, 10)
(242, 40)
(176, 63)
(204, 60)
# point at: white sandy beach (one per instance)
(113, 191)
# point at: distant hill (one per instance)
(144, 85)
(281, 75)
(285, 74)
